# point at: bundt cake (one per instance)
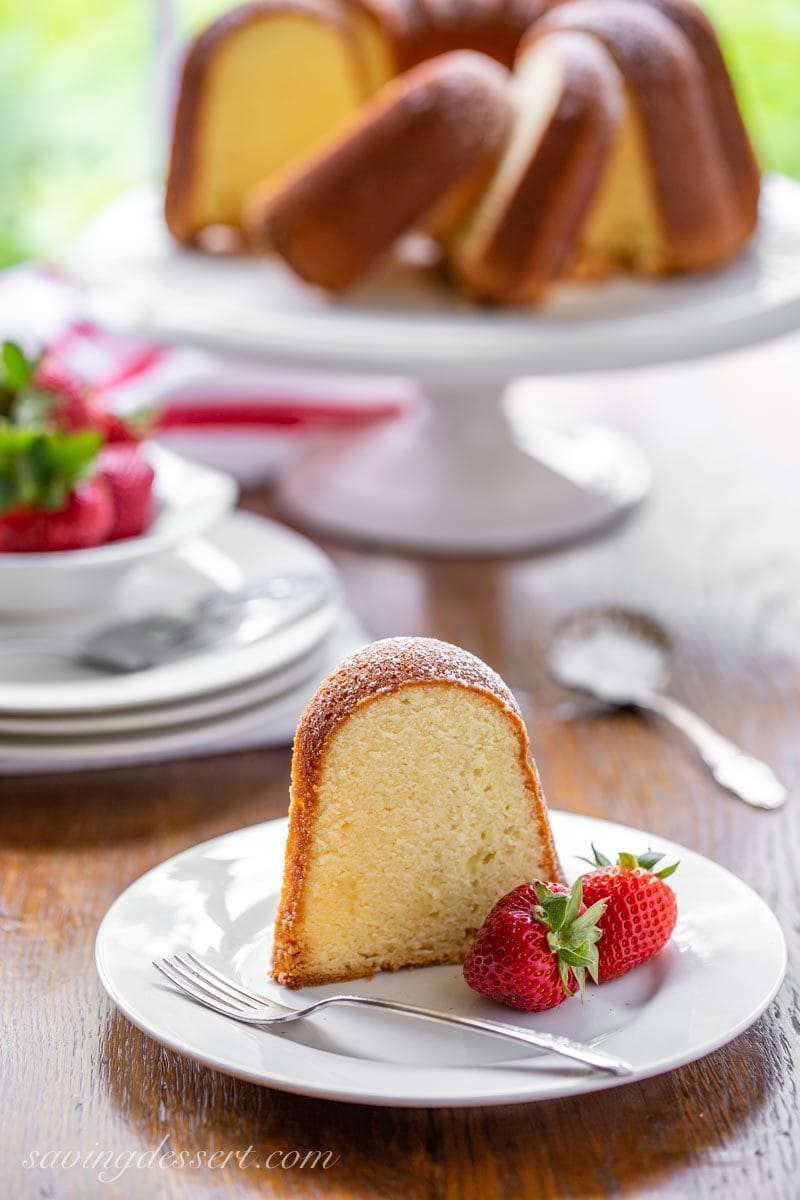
(658, 177)
(415, 805)
(520, 234)
(338, 212)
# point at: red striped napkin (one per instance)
(229, 412)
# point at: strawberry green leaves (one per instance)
(597, 859)
(646, 861)
(572, 936)
(21, 401)
(39, 465)
(39, 469)
(18, 371)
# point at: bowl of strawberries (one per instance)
(84, 495)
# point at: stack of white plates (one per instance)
(57, 715)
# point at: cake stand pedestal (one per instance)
(454, 477)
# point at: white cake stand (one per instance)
(453, 477)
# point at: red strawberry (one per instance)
(84, 521)
(50, 498)
(42, 393)
(640, 913)
(68, 408)
(535, 946)
(130, 478)
(113, 427)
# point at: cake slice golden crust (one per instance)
(523, 232)
(669, 155)
(260, 86)
(492, 27)
(415, 805)
(339, 211)
(745, 175)
(402, 23)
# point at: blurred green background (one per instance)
(77, 103)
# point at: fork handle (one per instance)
(528, 1037)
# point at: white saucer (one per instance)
(722, 968)
(161, 716)
(244, 726)
(243, 548)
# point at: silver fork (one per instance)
(209, 987)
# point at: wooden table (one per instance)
(716, 555)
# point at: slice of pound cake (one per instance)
(415, 805)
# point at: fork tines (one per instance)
(204, 983)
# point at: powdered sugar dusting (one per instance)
(383, 667)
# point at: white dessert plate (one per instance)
(406, 321)
(721, 969)
(241, 549)
(190, 499)
(248, 726)
(162, 716)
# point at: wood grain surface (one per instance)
(715, 553)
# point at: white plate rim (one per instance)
(240, 722)
(613, 830)
(209, 706)
(206, 706)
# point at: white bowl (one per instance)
(190, 499)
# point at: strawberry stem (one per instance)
(39, 469)
(572, 938)
(18, 369)
(646, 861)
